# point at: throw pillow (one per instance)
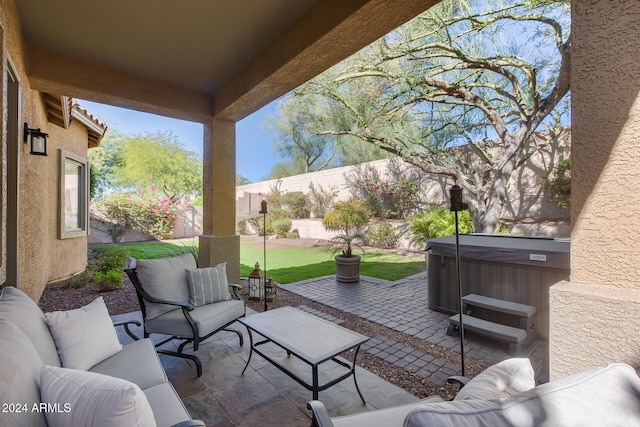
(503, 379)
(165, 279)
(16, 306)
(84, 336)
(82, 398)
(208, 285)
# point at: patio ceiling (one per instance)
(196, 59)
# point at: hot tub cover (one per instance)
(534, 251)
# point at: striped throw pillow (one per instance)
(208, 285)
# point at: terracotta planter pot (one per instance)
(347, 269)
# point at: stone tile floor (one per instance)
(267, 397)
(263, 396)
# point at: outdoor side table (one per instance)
(307, 337)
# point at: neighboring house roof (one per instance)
(62, 110)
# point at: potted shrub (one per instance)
(349, 218)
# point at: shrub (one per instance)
(242, 227)
(438, 222)
(104, 269)
(382, 235)
(296, 203)
(559, 186)
(321, 199)
(393, 196)
(111, 257)
(282, 227)
(294, 234)
(257, 222)
(109, 280)
(80, 279)
(156, 217)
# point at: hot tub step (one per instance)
(516, 337)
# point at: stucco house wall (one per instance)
(42, 256)
(595, 317)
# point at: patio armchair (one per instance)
(187, 303)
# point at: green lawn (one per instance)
(288, 265)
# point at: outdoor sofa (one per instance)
(505, 395)
(69, 369)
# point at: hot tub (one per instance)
(512, 268)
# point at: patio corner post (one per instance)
(457, 205)
(219, 242)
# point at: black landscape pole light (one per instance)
(263, 211)
(457, 205)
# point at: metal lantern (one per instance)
(271, 287)
(256, 283)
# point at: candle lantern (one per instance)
(256, 283)
(271, 287)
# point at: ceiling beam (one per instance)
(49, 72)
(329, 32)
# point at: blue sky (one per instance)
(254, 156)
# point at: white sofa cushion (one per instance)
(138, 362)
(165, 279)
(208, 285)
(387, 417)
(16, 306)
(503, 379)
(19, 378)
(89, 399)
(84, 336)
(605, 396)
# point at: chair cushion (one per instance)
(392, 416)
(167, 406)
(138, 362)
(503, 379)
(165, 279)
(605, 396)
(208, 285)
(84, 336)
(19, 377)
(16, 306)
(89, 399)
(208, 318)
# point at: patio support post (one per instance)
(595, 316)
(219, 242)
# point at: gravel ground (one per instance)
(58, 296)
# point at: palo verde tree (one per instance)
(462, 72)
(296, 138)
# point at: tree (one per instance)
(158, 161)
(459, 73)
(297, 140)
(242, 180)
(105, 160)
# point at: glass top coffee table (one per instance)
(307, 337)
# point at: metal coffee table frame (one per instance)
(309, 338)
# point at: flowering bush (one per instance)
(393, 196)
(382, 235)
(156, 217)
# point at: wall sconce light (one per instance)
(38, 140)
